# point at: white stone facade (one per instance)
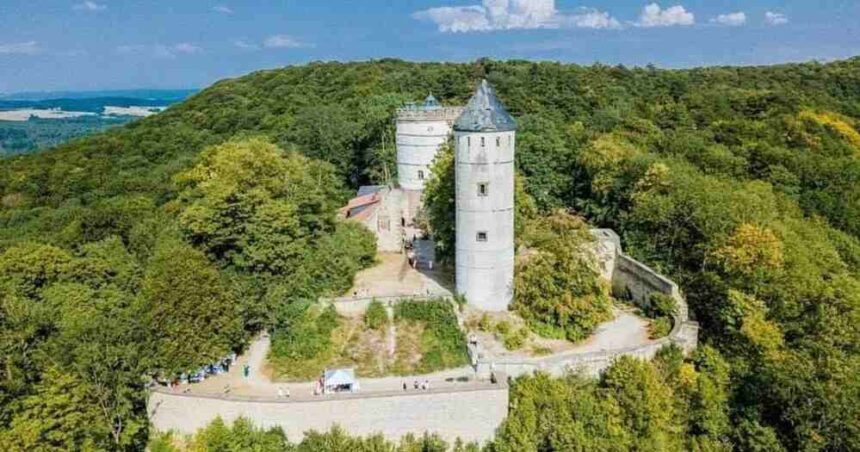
(484, 163)
(421, 132)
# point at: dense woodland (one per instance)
(155, 247)
(22, 137)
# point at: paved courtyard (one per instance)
(393, 276)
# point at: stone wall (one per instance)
(471, 414)
(630, 279)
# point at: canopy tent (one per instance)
(339, 380)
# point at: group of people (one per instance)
(416, 385)
(412, 254)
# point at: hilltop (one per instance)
(741, 183)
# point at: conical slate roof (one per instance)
(485, 113)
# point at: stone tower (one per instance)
(421, 132)
(484, 159)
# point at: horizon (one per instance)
(84, 45)
(203, 87)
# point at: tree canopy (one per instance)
(740, 183)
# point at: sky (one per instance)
(122, 44)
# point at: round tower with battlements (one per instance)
(485, 139)
(421, 131)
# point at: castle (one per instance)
(484, 137)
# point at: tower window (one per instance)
(498, 142)
(420, 175)
(482, 236)
(468, 141)
(483, 189)
(482, 142)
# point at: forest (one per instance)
(21, 137)
(149, 248)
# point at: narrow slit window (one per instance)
(483, 189)
(483, 144)
(420, 175)
(482, 236)
(498, 142)
(468, 141)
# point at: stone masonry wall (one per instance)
(630, 279)
(470, 414)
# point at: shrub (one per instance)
(375, 317)
(443, 342)
(660, 327)
(515, 339)
(557, 287)
(660, 305)
(305, 332)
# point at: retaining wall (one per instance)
(630, 279)
(471, 414)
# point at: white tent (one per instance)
(338, 380)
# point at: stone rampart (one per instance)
(471, 414)
(630, 279)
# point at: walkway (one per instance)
(393, 277)
(258, 384)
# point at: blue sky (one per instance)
(114, 44)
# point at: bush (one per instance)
(305, 331)
(557, 288)
(660, 327)
(443, 342)
(515, 339)
(375, 317)
(660, 305)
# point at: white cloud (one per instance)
(283, 42)
(223, 9)
(654, 16)
(20, 48)
(90, 6)
(772, 18)
(160, 50)
(245, 45)
(512, 14)
(731, 19)
(186, 47)
(592, 18)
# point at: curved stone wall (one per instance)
(630, 279)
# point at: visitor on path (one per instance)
(287, 391)
(416, 384)
(280, 392)
(246, 370)
(426, 384)
(404, 386)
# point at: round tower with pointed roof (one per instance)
(485, 139)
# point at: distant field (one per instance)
(30, 122)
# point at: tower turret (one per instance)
(421, 131)
(485, 139)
